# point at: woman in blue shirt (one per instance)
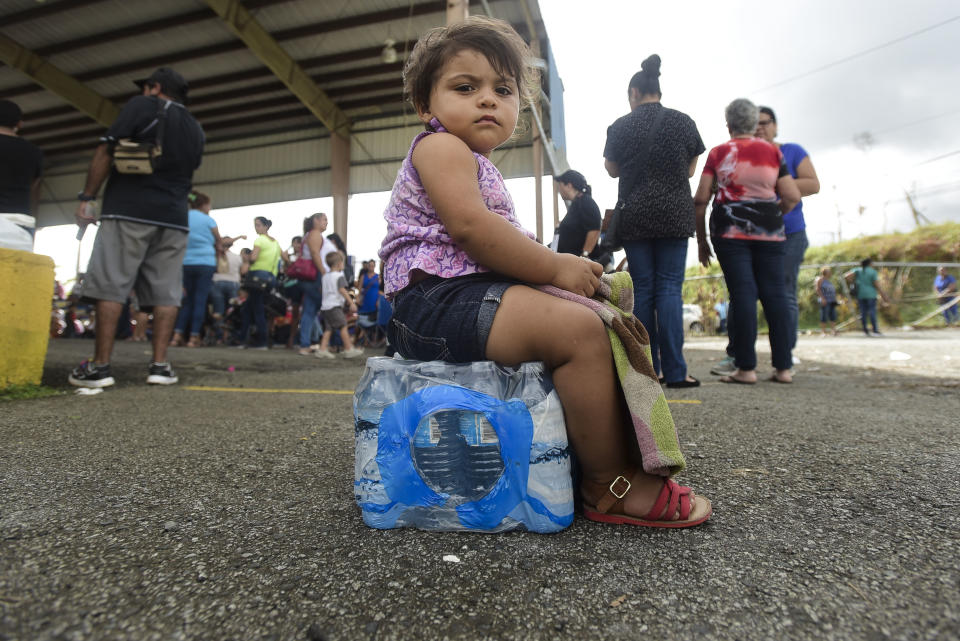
(805, 176)
(199, 265)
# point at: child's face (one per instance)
(473, 102)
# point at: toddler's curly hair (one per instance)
(503, 47)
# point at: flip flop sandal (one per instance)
(684, 383)
(773, 377)
(671, 496)
(731, 379)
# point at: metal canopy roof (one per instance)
(263, 143)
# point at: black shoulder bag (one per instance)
(131, 157)
(611, 237)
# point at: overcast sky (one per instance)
(906, 95)
(831, 70)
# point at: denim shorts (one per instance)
(447, 319)
(828, 312)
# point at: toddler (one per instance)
(335, 294)
(460, 269)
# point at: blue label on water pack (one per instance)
(403, 484)
(474, 447)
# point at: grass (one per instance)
(25, 392)
(928, 244)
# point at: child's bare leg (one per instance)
(570, 338)
(345, 337)
(325, 339)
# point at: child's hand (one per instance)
(577, 275)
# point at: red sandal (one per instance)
(672, 494)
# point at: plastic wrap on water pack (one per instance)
(475, 446)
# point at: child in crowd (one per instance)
(460, 269)
(335, 294)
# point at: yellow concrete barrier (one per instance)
(26, 292)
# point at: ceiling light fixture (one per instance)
(389, 54)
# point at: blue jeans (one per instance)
(794, 248)
(868, 308)
(657, 267)
(308, 309)
(254, 311)
(752, 269)
(221, 293)
(197, 280)
(950, 314)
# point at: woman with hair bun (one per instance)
(653, 151)
(199, 265)
(264, 265)
(580, 228)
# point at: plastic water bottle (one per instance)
(374, 394)
(444, 455)
(457, 452)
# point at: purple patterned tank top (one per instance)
(416, 237)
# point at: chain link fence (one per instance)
(909, 285)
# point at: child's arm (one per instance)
(449, 174)
(347, 296)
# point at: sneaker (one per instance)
(353, 352)
(89, 375)
(724, 367)
(323, 353)
(161, 374)
(876, 334)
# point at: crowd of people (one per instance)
(160, 270)
(262, 296)
(756, 227)
(257, 299)
(461, 279)
(268, 296)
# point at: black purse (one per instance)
(254, 282)
(612, 240)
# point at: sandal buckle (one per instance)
(624, 492)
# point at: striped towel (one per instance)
(652, 421)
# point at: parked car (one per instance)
(692, 319)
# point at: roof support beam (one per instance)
(249, 92)
(263, 45)
(45, 11)
(175, 21)
(53, 79)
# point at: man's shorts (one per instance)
(334, 318)
(144, 258)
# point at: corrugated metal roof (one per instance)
(264, 145)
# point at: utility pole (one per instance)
(836, 205)
(917, 214)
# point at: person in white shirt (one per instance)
(335, 294)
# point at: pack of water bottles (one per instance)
(475, 446)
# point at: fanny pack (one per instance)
(131, 157)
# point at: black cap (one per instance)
(169, 80)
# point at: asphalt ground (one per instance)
(182, 513)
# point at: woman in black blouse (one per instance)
(580, 228)
(657, 212)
